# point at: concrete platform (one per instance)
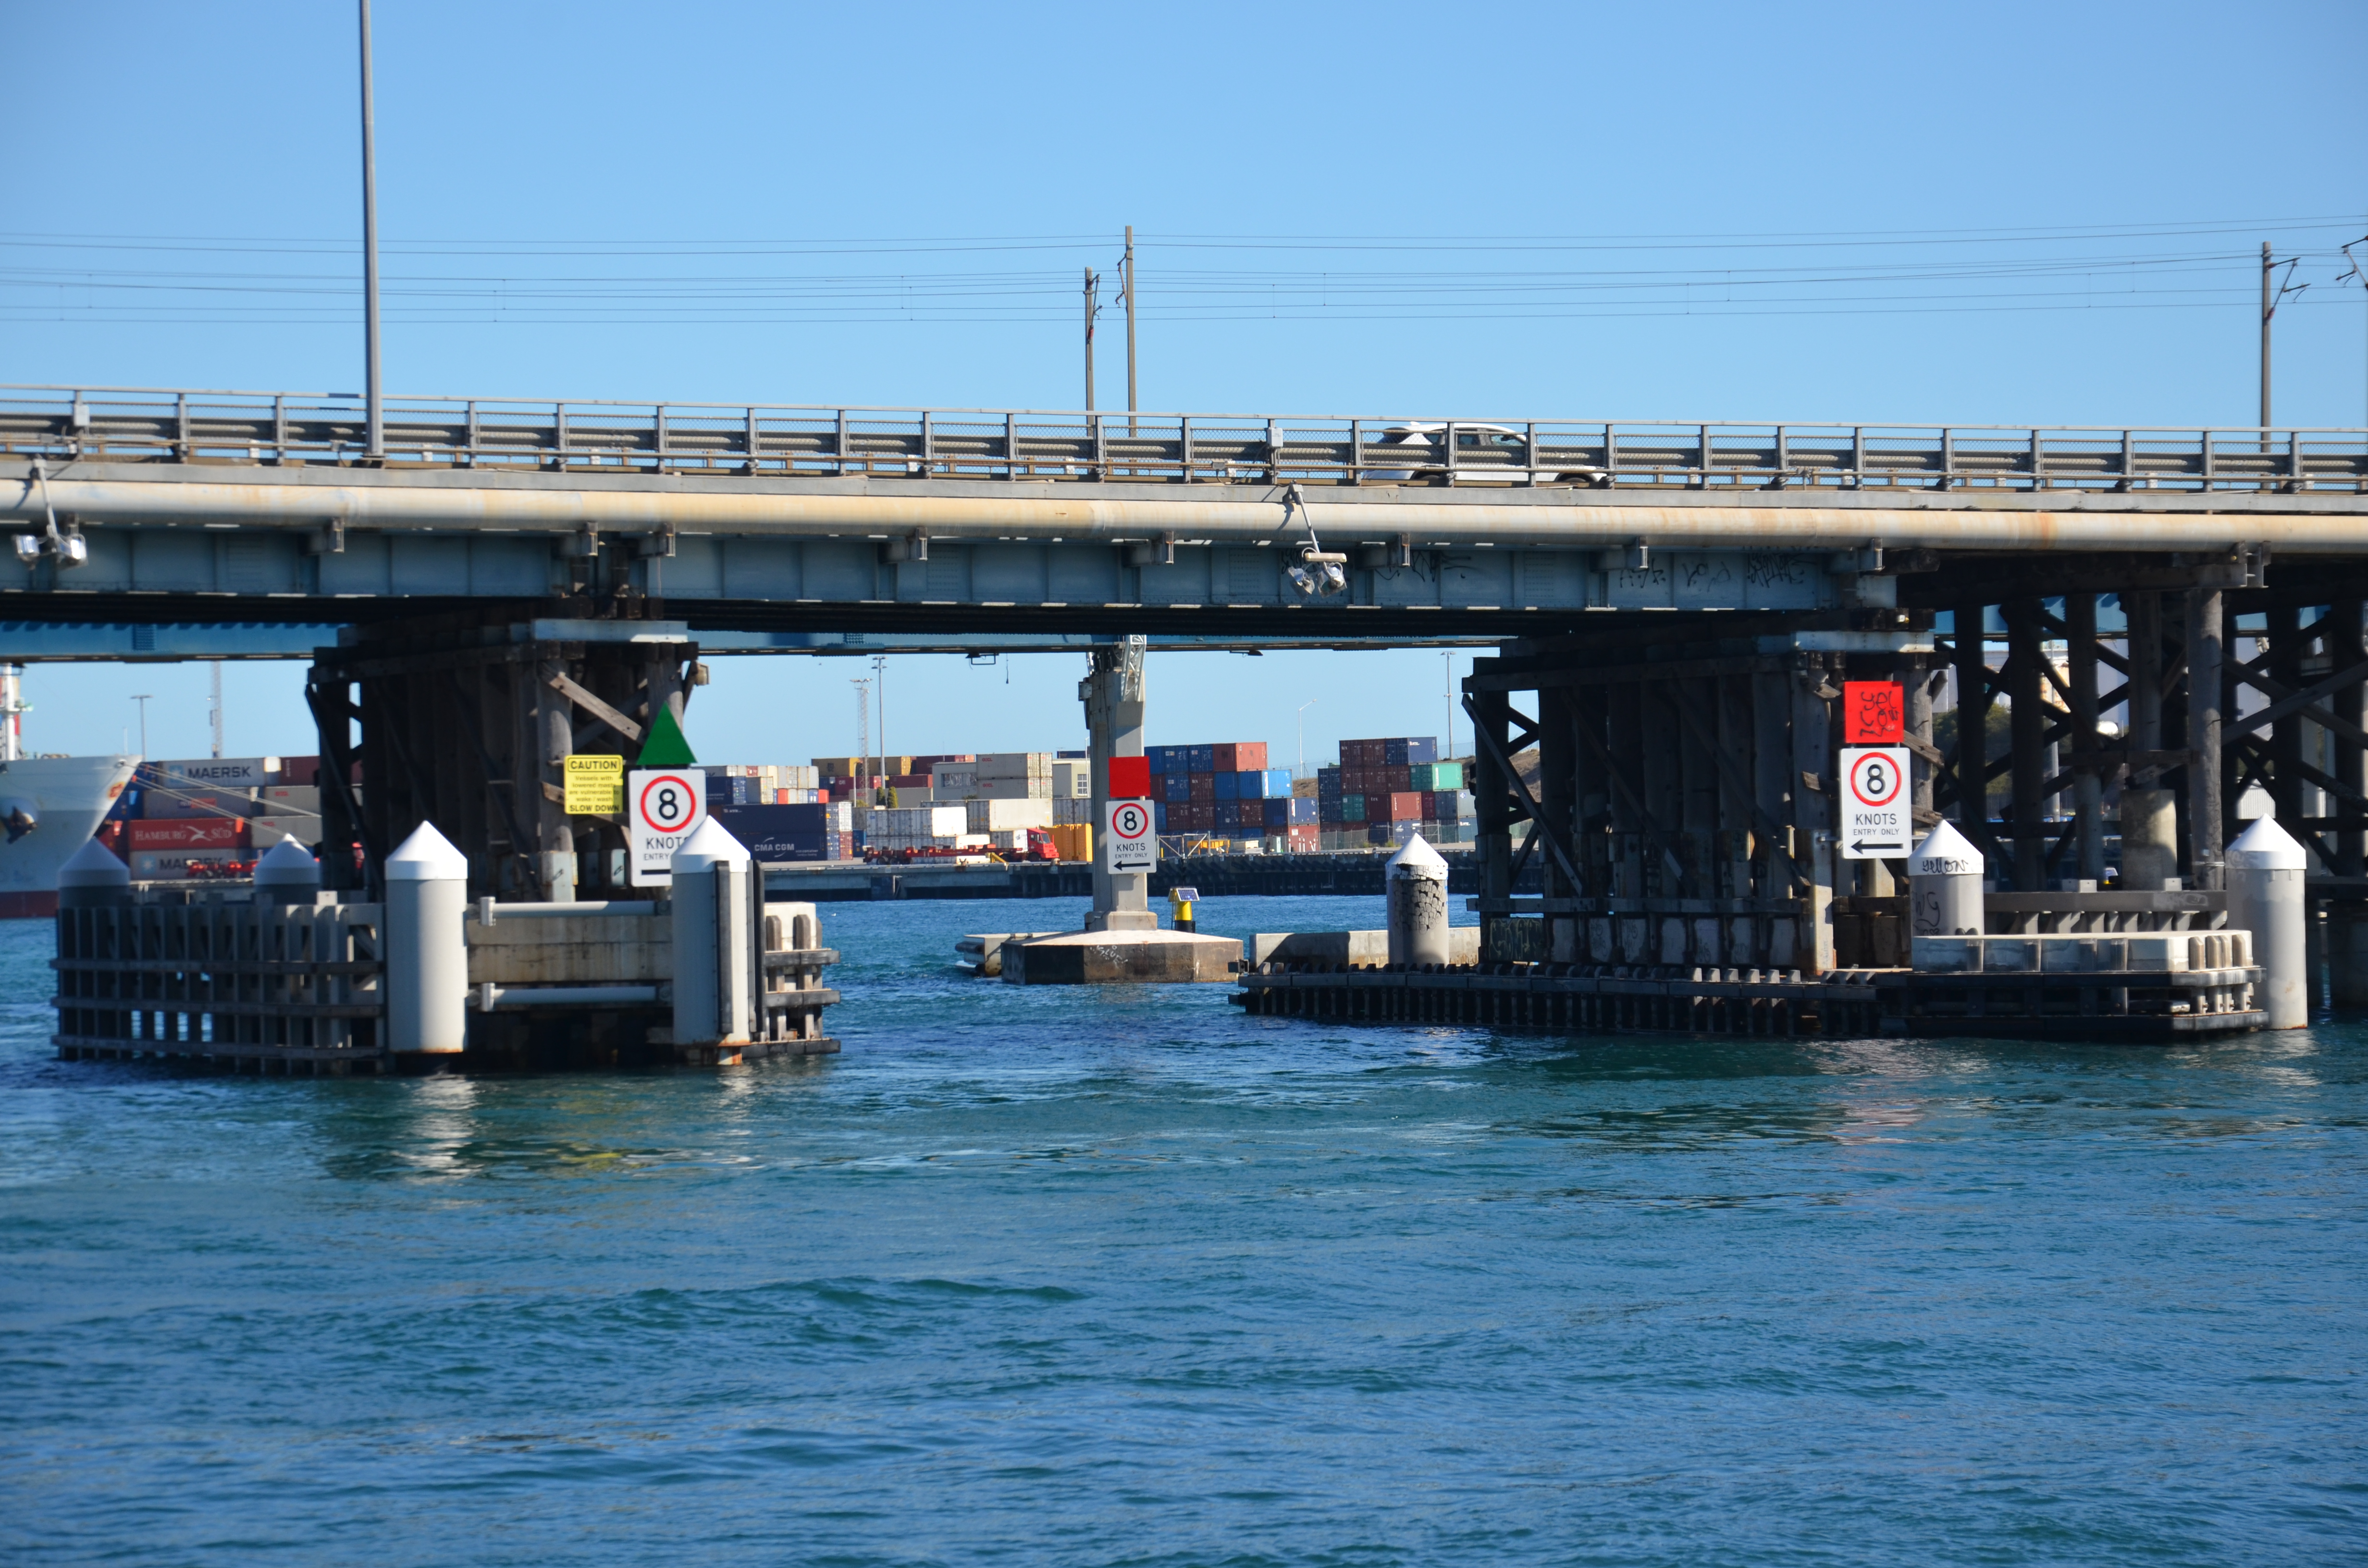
(1121, 958)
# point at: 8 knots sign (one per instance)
(664, 806)
(1129, 841)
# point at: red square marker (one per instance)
(1130, 779)
(1875, 713)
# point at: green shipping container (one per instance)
(1352, 808)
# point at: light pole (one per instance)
(373, 410)
(1448, 655)
(142, 698)
(1303, 707)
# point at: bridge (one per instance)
(791, 529)
(508, 581)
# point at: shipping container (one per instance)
(1329, 812)
(173, 865)
(1301, 840)
(991, 816)
(282, 799)
(1225, 786)
(1175, 787)
(1201, 759)
(1328, 784)
(1352, 810)
(223, 772)
(186, 833)
(1074, 841)
(1228, 814)
(1069, 811)
(265, 831)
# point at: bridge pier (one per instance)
(468, 721)
(1681, 776)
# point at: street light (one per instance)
(1302, 736)
(142, 698)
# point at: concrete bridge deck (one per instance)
(209, 507)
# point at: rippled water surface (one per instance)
(1121, 1277)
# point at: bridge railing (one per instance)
(597, 436)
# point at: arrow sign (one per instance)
(1874, 802)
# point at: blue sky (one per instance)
(2003, 214)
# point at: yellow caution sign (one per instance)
(596, 786)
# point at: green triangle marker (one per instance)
(663, 745)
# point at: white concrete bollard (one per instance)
(1417, 889)
(2265, 897)
(287, 874)
(1944, 885)
(715, 993)
(427, 947)
(93, 878)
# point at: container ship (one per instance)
(49, 807)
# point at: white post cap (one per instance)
(426, 857)
(288, 864)
(1945, 852)
(94, 866)
(710, 845)
(1417, 859)
(2266, 846)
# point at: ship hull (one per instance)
(69, 797)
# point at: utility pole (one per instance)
(1130, 404)
(863, 737)
(880, 695)
(1093, 308)
(2270, 296)
(215, 666)
(374, 412)
(2269, 309)
(142, 697)
(1302, 768)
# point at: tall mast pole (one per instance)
(2269, 308)
(1130, 404)
(374, 412)
(1090, 281)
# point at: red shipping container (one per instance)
(1405, 806)
(1303, 836)
(1204, 788)
(1223, 759)
(110, 834)
(1249, 757)
(186, 832)
(300, 770)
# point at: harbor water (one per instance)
(1091, 1277)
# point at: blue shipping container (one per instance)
(1199, 759)
(1277, 783)
(1159, 816)
(1422, 749)
(1298, 811)
(1176, 787)
(1158, 757)
(1228, 814)
(777, 833)
(1250, 785)
(1229, 785)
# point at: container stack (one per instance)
(1387, 790)
(1227, 793)
(764, 784)
(210, 817)
(894, 828)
